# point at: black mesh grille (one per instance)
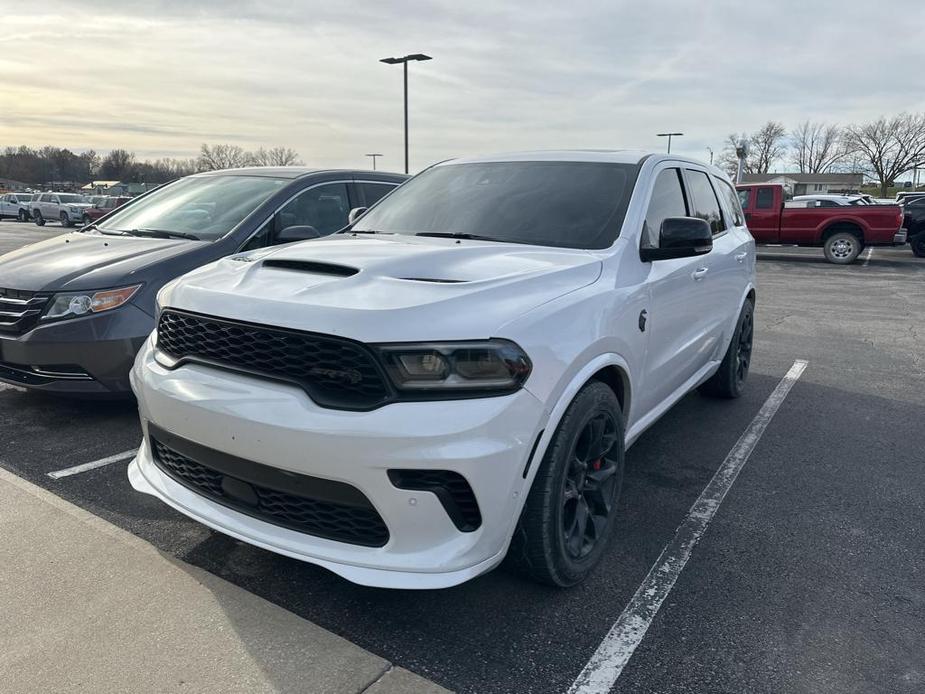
(358, 525)
(20, 310)
(451, 489)
(335, 372)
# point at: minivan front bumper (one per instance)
(89, 356)
(276, 427)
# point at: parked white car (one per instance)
(455, 378)
(15, 205)
(67, 208)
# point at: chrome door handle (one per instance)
(740, 257)
(699, 273)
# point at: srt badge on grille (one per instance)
(351, 376)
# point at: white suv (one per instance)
(67, 208)
(455, 377)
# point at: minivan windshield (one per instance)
(547, 203)
(203, 207)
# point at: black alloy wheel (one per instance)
(587, 492)
(744, 347)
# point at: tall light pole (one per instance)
(710, 150)
(669, 136)
(404, 60)
(373, 157)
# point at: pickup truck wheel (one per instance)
(66, 221)
(918, 245)
(569, 514)
(39, 219)
(729, 380)
(843, 248)
(22, 216)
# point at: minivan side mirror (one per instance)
(355, 214)
(297, 232)
(680, 237)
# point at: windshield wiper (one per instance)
(459, 235)
(163, 234)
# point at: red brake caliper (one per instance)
(596, 465)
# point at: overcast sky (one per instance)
(160, 77)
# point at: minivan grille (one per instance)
(356, 523)
(335, 372)
(20, 310)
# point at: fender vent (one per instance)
(312, 267)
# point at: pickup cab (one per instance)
(842, 231)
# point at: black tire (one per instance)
(729, 380)
(843, 248)
(576, 473)
(23, 216)
(85, 220)
(917, 243)
(66, 221)
(39, 219)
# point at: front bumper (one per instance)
(89, 356)
(487, 441)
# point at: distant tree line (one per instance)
(883, 149)
(37, 166)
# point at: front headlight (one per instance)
(75, 304)
(449, 369)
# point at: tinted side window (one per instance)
(764, 200)
(728, 193)
(703, 200)
(324, 207)
(667, 201)
(373, 192)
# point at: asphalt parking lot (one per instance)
(809, 578)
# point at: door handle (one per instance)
(699, 273)
(740, 257)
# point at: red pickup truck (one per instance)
(842, 232)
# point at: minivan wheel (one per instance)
(568, 517)
(918, 245)
(66, 221)
(39, 219)
(729, 380)
(842, 248)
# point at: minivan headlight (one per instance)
(435, 368)
(74, 304)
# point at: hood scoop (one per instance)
(312, 267)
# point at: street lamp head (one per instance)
(405, 59)
(669, 134)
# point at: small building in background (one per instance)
(810, 184)
(8, 185)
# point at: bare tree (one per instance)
(890, 146)
(212, 157)
(276, 156)
(766, 146)
(816, 147)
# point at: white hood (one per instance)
(385, 288)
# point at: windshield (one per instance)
(547, 203)
(207, 207)
(70, 198)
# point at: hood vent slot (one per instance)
(431, 279)
(313, 267)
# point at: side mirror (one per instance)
(297, 232)
(680, 237)
(355, 214)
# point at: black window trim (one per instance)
(718, 185)
(719, 205)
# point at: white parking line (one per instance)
(7, 386)
(608, 661)
(77, 469)
(870, 252)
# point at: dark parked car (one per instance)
(75, 309)
(914, 221)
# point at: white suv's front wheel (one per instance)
(569, 515)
